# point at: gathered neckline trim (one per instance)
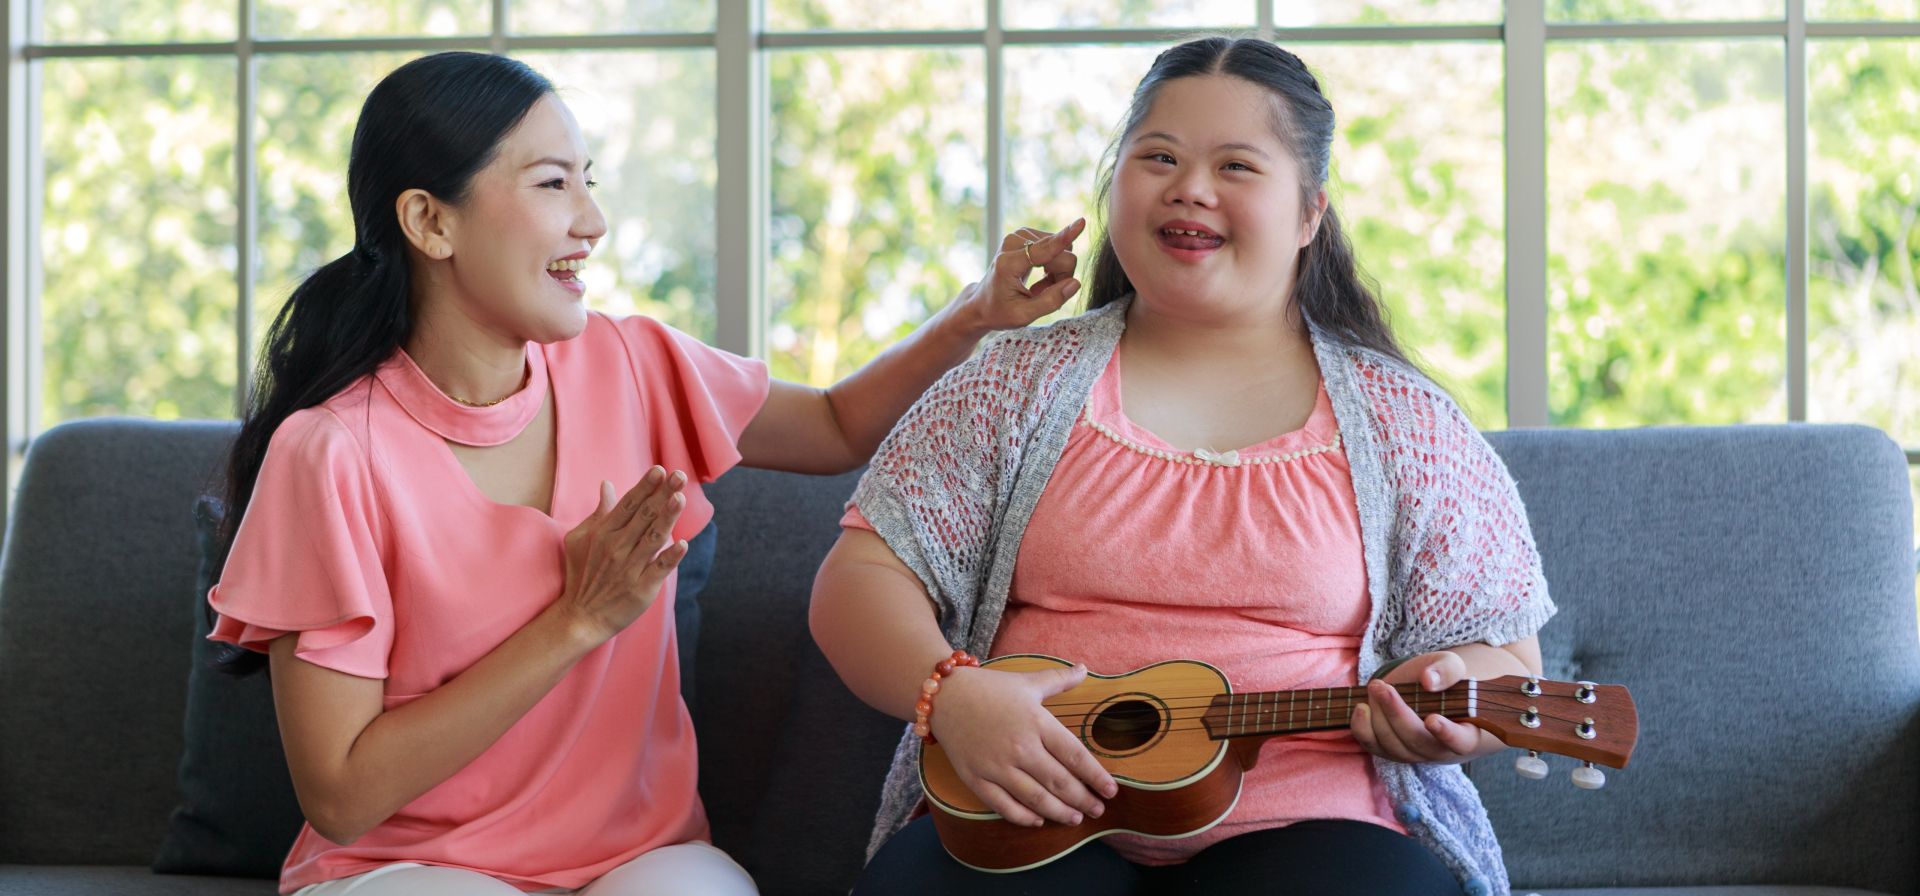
(1201, 457)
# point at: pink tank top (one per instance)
(1138, 552)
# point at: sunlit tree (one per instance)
(1666, 190)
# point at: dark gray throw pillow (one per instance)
(237, 814)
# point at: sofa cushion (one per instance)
(93, 636)
(1753, 587)
(791, 762)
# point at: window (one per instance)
(806, 179)
(1666, 232)
(878, 174)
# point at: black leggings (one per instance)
(1309, 858)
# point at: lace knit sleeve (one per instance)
(1464, 565)
(936, 485)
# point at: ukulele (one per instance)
(1177, 740)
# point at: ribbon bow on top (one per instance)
(1219, 459)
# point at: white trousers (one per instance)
(677, 870)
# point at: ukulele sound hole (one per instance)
(1125, 726)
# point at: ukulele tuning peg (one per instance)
(1586, 777)
(1530, 766)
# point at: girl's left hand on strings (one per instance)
(1387, 727)
(1004, 299)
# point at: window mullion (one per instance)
(247, 193)
(996, 132)
(740, 190)
(1524, 41)
(1797, 247)
(32, 368)
(16, 236)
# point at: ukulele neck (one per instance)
(1265, 713)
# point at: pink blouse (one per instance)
(1138, 552)
(367, 537)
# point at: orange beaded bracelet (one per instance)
(923, 709)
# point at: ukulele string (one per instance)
(1251, 715)
(1412, 694)
(1403, 689)
(1346, 703)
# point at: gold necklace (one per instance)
(479, 404)
(488, 404)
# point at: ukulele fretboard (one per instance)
(1322, 709)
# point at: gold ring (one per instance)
(1027, 250)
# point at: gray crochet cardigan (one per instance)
(1449, 556)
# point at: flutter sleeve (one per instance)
(701, 397)
(307, 559)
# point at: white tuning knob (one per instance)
(1586, 777)
(1531, 767)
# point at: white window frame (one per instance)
(741, 43)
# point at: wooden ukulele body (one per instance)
(1144, 728)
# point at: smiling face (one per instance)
(516, 245)
(1208, 215)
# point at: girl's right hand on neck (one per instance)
(1011, 751)
(620, 556)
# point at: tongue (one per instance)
(1187, 241)
(560, 275)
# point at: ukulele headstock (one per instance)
(1594, 723)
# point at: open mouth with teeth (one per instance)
(567, 271)
(1185, 240)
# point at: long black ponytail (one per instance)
(431, 124)
(1328, 285)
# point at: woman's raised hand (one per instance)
(1011, 751)
(1005, 299)
(619, 556)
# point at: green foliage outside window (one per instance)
(879, 199)
(137, 238)
(1666, 192)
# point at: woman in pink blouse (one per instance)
(465, 495)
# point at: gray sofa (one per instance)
(1753, 586)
